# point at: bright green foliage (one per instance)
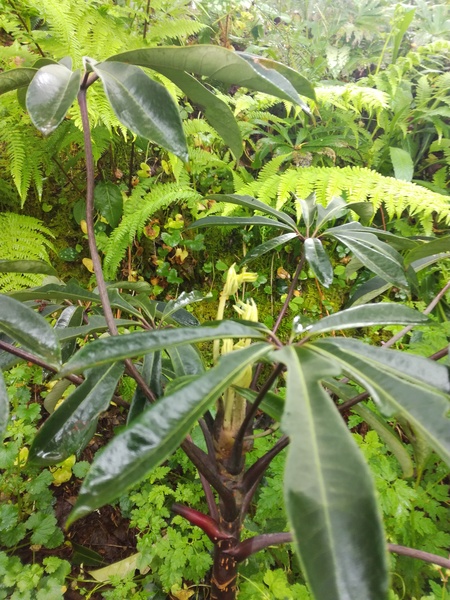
(23, 238)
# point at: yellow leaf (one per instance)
(87, 262)
(83, 226)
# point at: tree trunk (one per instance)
(225, 569)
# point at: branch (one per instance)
(90, 179)
(244, 549)
(210, 526)
(435, 559)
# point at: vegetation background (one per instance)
(378, 133)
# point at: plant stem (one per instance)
(290, 293)
(90, 180)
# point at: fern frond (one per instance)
(23, 238)
(353, 97)
(176, 29)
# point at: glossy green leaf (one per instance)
(336, 208)
(118, 300)
(253, 204)
(26, 266)
(186, 360)
(330, 496)
(107, 350)
(377, 285)
(4, 406)
(428, 249)
(143, 105)
(108, 202)
(271, 244)
(72, 425)
(96, 324)
(157, 432)
(152, 375)
(364, 210)
(376, 255)
(184, 299)
(318, 261)
(72, 316)
(50, 95)
(15, 79)
(220, 64)
(402, 163)
(55, 291)
(272, 404)
(401, 384)
(309, 210)
(30, 330)
(216, 112)
(368, 315)
(238, 222)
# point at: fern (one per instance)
(23, 238)
(353, 97)
(355, 184)
(139, 208)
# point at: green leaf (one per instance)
(377, 285)
(336, 208)
(107, 350)
(72, 425)
(157, 432)
(428, 249)
(401, 384)
(272, 404)
(376, 255)
(26, 266)
(309, 210)
(96, 323)
(275, 242)
(50, 95)
(318, 261)
(238, 222)
(368, 315)
(30, 330)
(330, 496)
(72, 316)
(220, 64)
(56, 291)
(109, 202)
(216, 112)
(186, 360)
(152, 375)
(402, 163)
(15, 79)
(4, 406)
(184, 299)
(143, 105)
(254, 204)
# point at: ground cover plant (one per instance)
(256, 390)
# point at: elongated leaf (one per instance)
(16, 79)
(389, 377)
(318, 261)
(109, 202)
(152, 375)
(309, 210)
(96, 324)
(186, 360)
(250, 202)
(330, 496)
(336, 208)
(4, 406)
(30, 330)
(225, 66)
(107, 350)
(72, 425)
(53, 291)
(275, 242)
(377, 285)
(143, 105)
(272, 404)
(428, 249)
(50, 95)
(184, 299)
(157, 432)
(238, 222)
(216, 112)
(383, 313)
(376, 255)
(26, 266)
(72, 316)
